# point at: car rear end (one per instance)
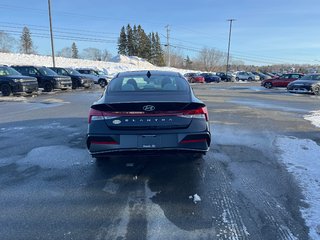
(148, 122)
(198, 79)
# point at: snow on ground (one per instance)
(314, 118)
(301, 157)
(117, 64)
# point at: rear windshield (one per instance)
(156, 83)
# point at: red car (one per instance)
(281, 81)
(194, 78)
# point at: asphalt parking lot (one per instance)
(52, 189)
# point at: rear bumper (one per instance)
(101, 145)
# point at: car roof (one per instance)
(145, 72)
(28, 66)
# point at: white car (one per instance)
(247, 76)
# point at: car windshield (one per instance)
(72, 71)
(7, 71)
(46, 71)
(156, 83)
(313, 77)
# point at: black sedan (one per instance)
(308, 83)
(148, 111)
(78, 80)
(12, 81)
(209, 77)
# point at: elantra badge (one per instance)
(117, 121)
(149, 108)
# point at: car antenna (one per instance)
(148, 74)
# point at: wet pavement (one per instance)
(52, 189)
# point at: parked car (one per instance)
(12, 81)
(148, 111)
(47, 79)
(99, 77)
(261, 75)
(209, 77)
(225, 77)
(307, 83)
(78, 80)
(194, 78)
(281, 81)
(246, 76)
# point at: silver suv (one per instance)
(99, 77)
(247, 76)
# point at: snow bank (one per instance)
(119, 63)
(301, 157)
(314, 118)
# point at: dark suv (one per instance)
(47, 79)
(12, 81)
(78, 80)
(225, 77)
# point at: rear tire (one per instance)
(102, 83)
(268, 85)
(316, 90)
(48, 87)
(6, 90)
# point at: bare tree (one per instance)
(106, 55)
(6, 42)
(92, 54)
(176, 58)
(65, 52)
(210, 59)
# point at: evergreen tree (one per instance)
(144, 45)
(74, 51)
(153, 48)
(159, 55)
(188, 63)
(122, 42)
(26, 44)
(139, 41)
(135, 40)
(130, 43)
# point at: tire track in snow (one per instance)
(230, 223)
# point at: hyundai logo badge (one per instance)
(148, 108)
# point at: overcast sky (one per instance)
(265, 32)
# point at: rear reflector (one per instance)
(193, 140)
(104, 142)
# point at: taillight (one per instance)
(196, 113)
(95, 115)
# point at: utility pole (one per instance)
(51, 34)
(168, 44)
(227, 68)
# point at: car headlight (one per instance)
(18, 80)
